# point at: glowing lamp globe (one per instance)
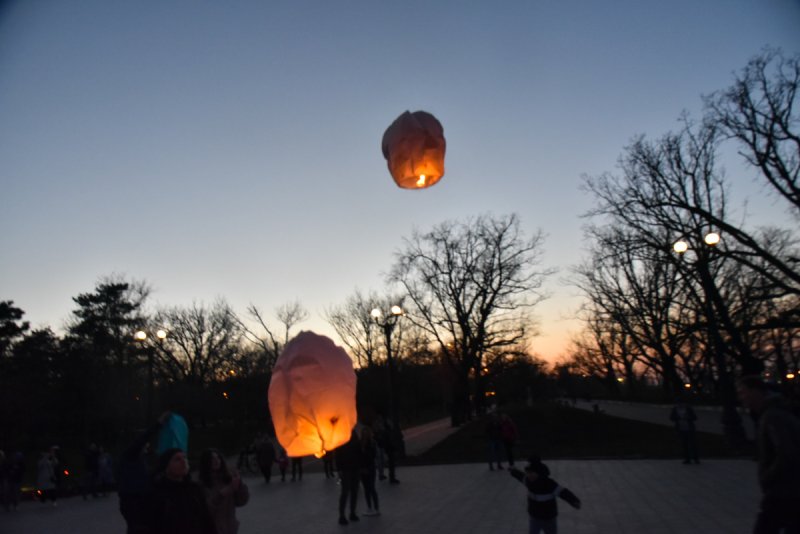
(414, 147)
(312, 396)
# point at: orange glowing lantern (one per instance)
(312, 396)
(414, 148)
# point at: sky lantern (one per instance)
(312, 396)
(414, 149)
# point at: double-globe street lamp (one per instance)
(141, 337)
(712, 302)
(387, 322)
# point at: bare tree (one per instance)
(289, 314)
(470, 285)
(355, 327)
(759, 111)
(202, 343)
(266, 342)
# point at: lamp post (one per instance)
(387, 322)
(712, 302)
(141, 337)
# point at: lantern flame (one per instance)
(414, 148)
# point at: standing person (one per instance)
(778, 447)
(381, 438)
(684, 417)
(393, 445)
(369, 451)
(46, 479)
(283, 460)
(508, 430)
(297, 468)
(179, 504)
(105, 472)
(16, 469)
(542, 493)
(134, 479)
(327, 462)
(265, 456)
(225, 491)
(91, 471)
(494, 439)
(348, 462)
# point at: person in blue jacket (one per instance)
(542, 493)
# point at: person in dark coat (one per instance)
(684, 417)
(348, 461)
(778, 447)
(265, 455)
(542, 493)
(91, 472)
(15, 471)
(369, 451)
(135, 480)
(179, 504)
(494, 439)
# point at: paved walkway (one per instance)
(619, 496)
(709, 418)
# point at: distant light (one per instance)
(225, 394)
(620, 379)
(66, 473)
(376, 313)
(140, 335)
(711, 239)
(687, 385)
(680, 246)
(232, 372)
(790, 376)
(397, 310)
(161, 334)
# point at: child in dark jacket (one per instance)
(542, 493)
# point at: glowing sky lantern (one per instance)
(312, 396)
(414, 149)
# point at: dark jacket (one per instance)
(778, 440)
(684, 417)
(542, 493)
(133, 474)
(180, 507)
(349, 456)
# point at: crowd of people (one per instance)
(158, 495)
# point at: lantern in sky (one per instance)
(414, 148)
(312, 396)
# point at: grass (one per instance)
(556, 431)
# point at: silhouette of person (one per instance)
(684, 417)
(348, 462)
(778, 449)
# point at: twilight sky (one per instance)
(232, 149)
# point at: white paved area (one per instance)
(619, 496)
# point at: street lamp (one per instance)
(387, 322)
(712, 301)
(141, 336)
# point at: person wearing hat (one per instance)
(542, 493)
(179, 504)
